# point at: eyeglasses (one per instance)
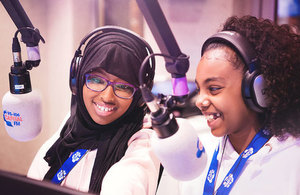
(99, 84)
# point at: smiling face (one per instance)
(105, 107)
(220, 96)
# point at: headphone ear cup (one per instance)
(148, 79)
(149, 76)
(73, 73)
(253, 90)
(259, 89)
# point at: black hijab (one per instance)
(120, 55)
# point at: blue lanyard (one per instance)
(257, 142)
(68, 166)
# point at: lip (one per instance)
(215, 122)
(104, 109)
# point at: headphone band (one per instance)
(237, 42)
(129, 35)
(110, 28)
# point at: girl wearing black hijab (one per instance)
(104, 135)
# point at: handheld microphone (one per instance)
(22, 110)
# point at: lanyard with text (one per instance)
(257, 142)
(68, 166)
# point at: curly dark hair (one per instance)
(278, 51)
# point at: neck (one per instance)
(241, 139)
(240, 142)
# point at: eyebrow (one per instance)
(214, 79)
(219, 79)
(99, 70)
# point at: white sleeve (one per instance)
(137, 172)
(39, 167)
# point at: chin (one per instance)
(101, 122)
(218, 132)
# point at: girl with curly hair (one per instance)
(248, 80)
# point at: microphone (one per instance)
(181, 154)
(175, 143)
(22, 115)
(22, 110)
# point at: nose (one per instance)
(108, 94)
(202, 102)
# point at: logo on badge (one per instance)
(76, 156)
(211, 175)
(228, 181)
(247, 152)
(61, 174)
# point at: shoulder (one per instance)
(284, 148)
(139, 150)
(287, 142)
(143, 135)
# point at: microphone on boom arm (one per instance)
(22, 109)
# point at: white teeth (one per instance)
(217, 115)
(211, 117)
(105, 109)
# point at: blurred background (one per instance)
(63, 23)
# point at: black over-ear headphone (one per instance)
(75, 64)
(253, 83)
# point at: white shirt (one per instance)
(274, 169)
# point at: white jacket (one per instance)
(135, 174)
